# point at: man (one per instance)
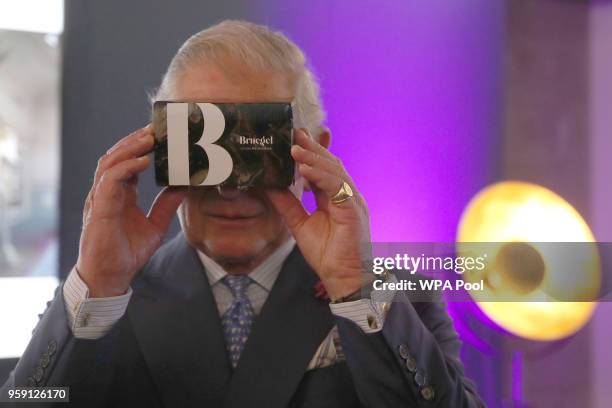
(226, 314)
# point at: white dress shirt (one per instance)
(91, 318)
(263, 278)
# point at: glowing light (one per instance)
(518, 212)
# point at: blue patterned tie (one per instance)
(238, 319)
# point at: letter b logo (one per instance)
(220, 162)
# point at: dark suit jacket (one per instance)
(168, 349)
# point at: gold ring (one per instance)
(343, 194)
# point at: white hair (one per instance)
(258, 49)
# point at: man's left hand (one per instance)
(333, 238)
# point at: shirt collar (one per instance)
(264, 275)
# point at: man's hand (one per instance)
(118, 238)
(332, 238)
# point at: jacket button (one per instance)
(411, 365)
(52, 347)
(38, 374)
(428, 393)
(419, 378)
(403, 351)
(45, 360)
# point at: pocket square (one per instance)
(329, 351)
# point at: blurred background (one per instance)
(428, 102)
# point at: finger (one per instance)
(306, 141)
(109, 195)
(104, 162)
(321, 198)
(319, 156)
(129, 138)
(290, 208)
(138, 147)
(164, 207)
(131, 186)
(321, 179)
(114, 179)
(313, 159)
(87, 206)
(326, 185)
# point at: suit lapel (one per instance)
(177, 325)
(284, 338)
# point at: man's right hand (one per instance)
(118, 238)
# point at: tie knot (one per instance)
(238, 285)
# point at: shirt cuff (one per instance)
(368, 314)
(91, 318)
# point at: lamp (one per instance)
(515, 220)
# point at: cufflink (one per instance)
(385, 308)
(372, 322)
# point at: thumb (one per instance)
(289, 207)
(164, 207)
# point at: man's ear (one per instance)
(324, 137)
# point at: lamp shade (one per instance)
(528, 280)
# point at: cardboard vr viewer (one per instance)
(227, 144)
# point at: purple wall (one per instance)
(414, 99)
(413, 95)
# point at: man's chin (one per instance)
(234, 249)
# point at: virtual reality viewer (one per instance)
(228, 144)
